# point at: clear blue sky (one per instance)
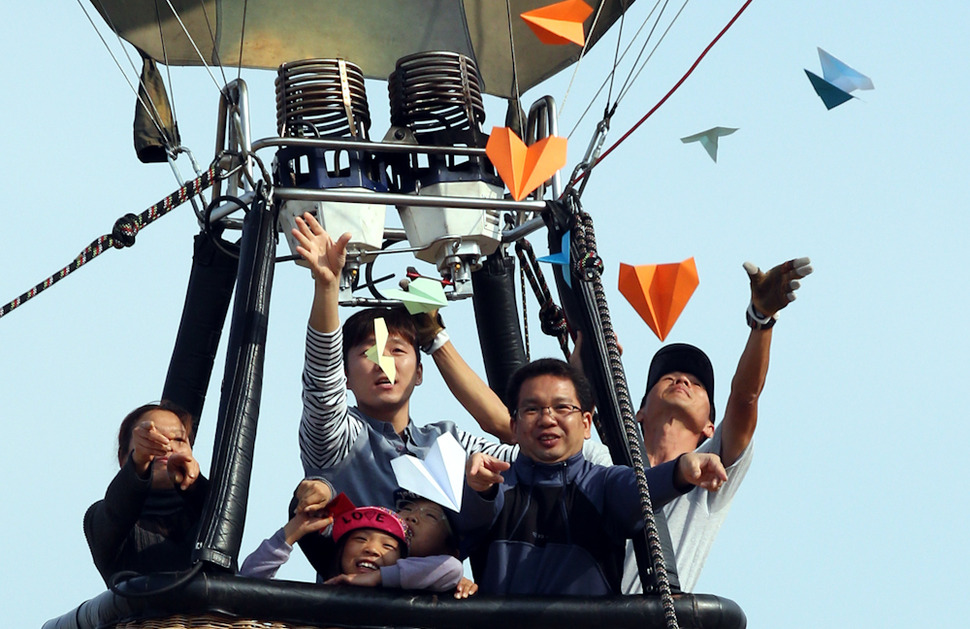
(853, 512)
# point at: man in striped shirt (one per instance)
(353, 447)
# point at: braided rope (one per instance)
(551, 317)
(122, 235)
(525, 314)
(591, 268)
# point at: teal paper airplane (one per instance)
(837, 81)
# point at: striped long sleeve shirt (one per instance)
(350, 449)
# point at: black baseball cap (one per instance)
(685, 358)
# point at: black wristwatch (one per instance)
(758, 321)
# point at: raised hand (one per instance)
(148, 443)
(427, 325)
(303, 523)
(325, 257)
(772, 291)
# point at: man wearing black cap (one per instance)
(677, 416)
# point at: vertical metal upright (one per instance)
(224, 516)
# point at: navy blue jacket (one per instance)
(557, 529)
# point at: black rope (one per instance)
(588, 169)
(213, 233)
(616, 61)
(242, 38)
(122, 235)
(181, 578)
(215, 50)
(552, 319)
(525, 312)
(591, 267)
(630, 75)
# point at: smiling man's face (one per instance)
(549, 424)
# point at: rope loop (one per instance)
(591, 266)
(122, 235)
(124, 231)
(553, 320)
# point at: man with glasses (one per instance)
(353, 446)
(552, 522)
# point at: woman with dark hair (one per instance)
(149, 518)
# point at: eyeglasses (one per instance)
(432, 514)
(559, 411)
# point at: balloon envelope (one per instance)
(373, 34)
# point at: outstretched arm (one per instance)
(770, 292)
(481, 501)
(108, 522)
(468, 388)
(327, 431)
(741, 414)
(471, 391)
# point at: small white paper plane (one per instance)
(708, 139)
(842, 76)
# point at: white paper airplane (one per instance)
(708, 139)
(439, 477)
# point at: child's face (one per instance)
(368, 550)
(429, 528)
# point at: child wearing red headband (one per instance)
(369, 540)
(372, 550)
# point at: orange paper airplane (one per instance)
(522, 168)
(559, 23)
(659, 292)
